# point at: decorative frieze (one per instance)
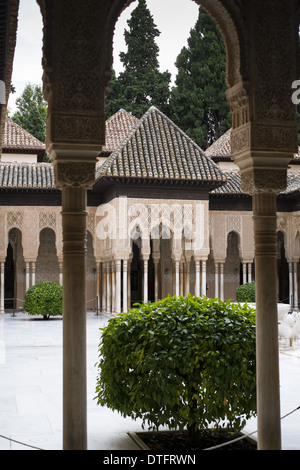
(47, 219)
(14, 219)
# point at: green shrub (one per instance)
(44, 299)
(180, 362)
(246, 292)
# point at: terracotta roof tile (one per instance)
(157, 148)
(222, 147)
(16, 138)
(234, 183)
(27, 175)
(117, 128)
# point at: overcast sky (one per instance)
(173, 18)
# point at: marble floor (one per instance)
(31, 389)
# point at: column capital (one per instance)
(264, 180)
(74, 174)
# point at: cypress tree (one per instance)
(141, 84)
(198, 102)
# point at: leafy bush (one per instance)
(246, 292)
(44, 299)
(180, 362)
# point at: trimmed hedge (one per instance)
(180, 362)
(44, 299)
(246, 292)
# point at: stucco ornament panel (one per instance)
(15, 219)
(47, 219)
(264, 181)
(76, 74)
(74, 174)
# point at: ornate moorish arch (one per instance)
(262, 48)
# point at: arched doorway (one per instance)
(47, 265)
(9, 279)
(14, 273)
(232, 266)
(136, 273)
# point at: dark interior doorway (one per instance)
(9, 279)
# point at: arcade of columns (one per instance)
(262, 55)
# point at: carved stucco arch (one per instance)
(227, 17)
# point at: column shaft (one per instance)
(295, 286)
(125, 285)
(267, 352)
(2, 294)
(74, 318)
(197, 278)
(118, 286)
(145, 299)
(203, 276)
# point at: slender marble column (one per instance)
(249, 272)
(104, 287)
(74, 317)
(113, 286)
(181, 278)
(216, 279)
(98, 287)
(125, 285)
(295, 285)
(187, 278)
(129, 285)
(155, 261)
(2, 294)
(222, 281)
(27, 276)
(244, 273)
(145, 299)
(267, 351)
(118, 286)
(33, 273)
(291, 297)
(108, 287)
(203, 277)
(197, 278)
(176, 278)
(61, 273)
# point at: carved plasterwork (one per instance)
(47, 219)
(233, 223)
(263, 181)
(14, 219)
(75, 174)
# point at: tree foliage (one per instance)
(181, 361)
(246, 292)
(141, 84)
(198, 103)
(44, 299)
(32, 111)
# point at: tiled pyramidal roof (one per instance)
(234, 184)
(27, 175)
(16, 138)
(222, 147)
(157, 148)
(117, 127)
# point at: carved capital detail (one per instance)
(258, 181)
(75, 174)
(240, 140)
(238, 99)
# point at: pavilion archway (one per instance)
(14, 271)
(77, 70)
